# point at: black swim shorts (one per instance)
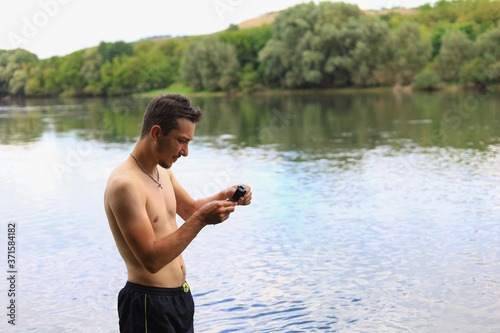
(152, 309)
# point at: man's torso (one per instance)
(160, 206)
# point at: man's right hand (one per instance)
(216, 212)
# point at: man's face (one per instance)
(175, 143)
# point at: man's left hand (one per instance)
(245, 200)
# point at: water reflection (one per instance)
(372, 212)
(313, 124)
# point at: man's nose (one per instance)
(185, 151)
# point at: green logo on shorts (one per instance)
(185, 287)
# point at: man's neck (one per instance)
(143, 155)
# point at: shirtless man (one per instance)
(141, 203)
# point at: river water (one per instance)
(372, 212)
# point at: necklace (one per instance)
(147, 173)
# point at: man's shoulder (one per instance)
(121, 180)
(167, 172)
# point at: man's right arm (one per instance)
(129, 209)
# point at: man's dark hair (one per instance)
(165, 110)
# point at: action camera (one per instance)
(240, 191)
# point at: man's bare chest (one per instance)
(161, 209)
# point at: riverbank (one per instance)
(178, 88)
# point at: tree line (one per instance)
(309, 46)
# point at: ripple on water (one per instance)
(367, 240)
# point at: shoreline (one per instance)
(267, 92)
(285, 92)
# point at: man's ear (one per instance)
(155, 132)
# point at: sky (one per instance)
(59, 27)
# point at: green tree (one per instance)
(155, 70)
(437, 39)
(14, 65)
(485, 11)
(292, 31)
(20, 56)
(18, 82)
(120, 76)
(48, 76)
(485, 68)
(474, 72)
(459, 11)
(472, 17)
(210, 64)
(156, 64)
(142, 46)
(109, 51)
(470, 29)
(248, 43)
(91, 70)
(455, 51)
(368, 44)
(34, 87)
(174, 49)
(107, 76)
(411, 52)
(69, 73)
(488, 44)
(249, 79)
(276, 58)
(6, 74)
(308, 47)
(332, 41)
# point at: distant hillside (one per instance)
(269, 18)
(258, 21)
(158, 38)
(402, 11)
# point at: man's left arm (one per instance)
(186, 205)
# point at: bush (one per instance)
(427, 80)
(474, 72)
